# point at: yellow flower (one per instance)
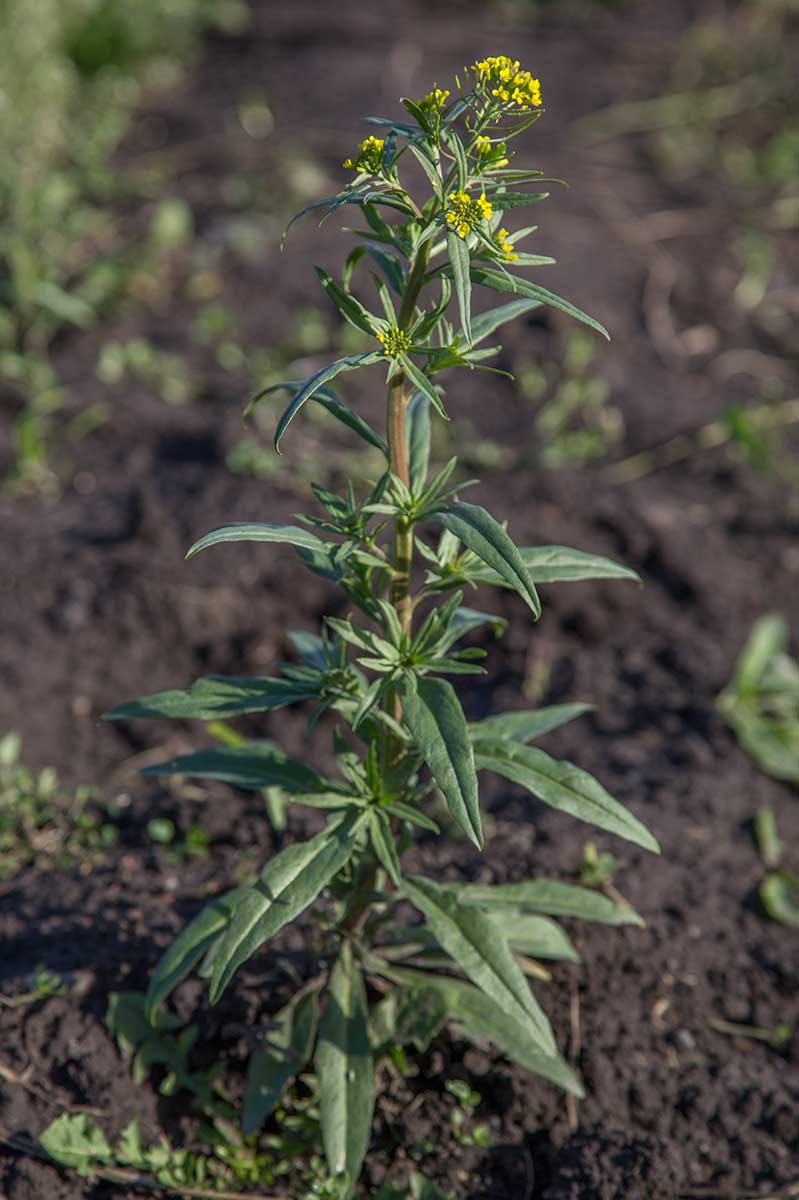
(435, 99)
(465, 214)
(502, 78)
(504, 245)
(369, 158)
(394, 342)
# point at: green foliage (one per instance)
(39, 823)
(224, 1163)
(761, 702)
(379, 672)
(779, 888)
(71, 72)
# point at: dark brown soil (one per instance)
(96, 606)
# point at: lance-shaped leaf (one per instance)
(538, 936)
(351, 362)
(560, 564)
(549, 896)
(256, 765)
(484, 325)
(327, 399)
(563, 786)
(344, 1065)
(417, 431)
(486, 538)
(192, 944)
(286, 886)
(459, 258)
(350, 308)
(503, 281)
(285, 1052)
(481, 952)
(290, 535)
(214, 697)
(435, 718)
(503, 201)
(480, 1017)
(528, 725)
(422, 383)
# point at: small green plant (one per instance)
(404, 749)
(597, 869)
(42, 984)
(761, 703)
(779, 889)
(38, 824)
(462, 1115)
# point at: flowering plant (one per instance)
(407, 759)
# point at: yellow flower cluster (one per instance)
(503, 78)
(466, 214)
(369, 157)
(504, 245)
(435, 99)
(394, 342)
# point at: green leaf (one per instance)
(344, 1065)
(291, 535)
(408, 1016)
(768, 639)
(285, 1052)
(422, 383)
(503, 281)
(417, 432)
(383, 844)
(484, 325)
(549, 896)
(563, 786)
(528, 725)
(350, 308)
(435, 718)
(286, 886)
(537, 936)
(254, 766)
(77, 1142)
(130, 1149)
(504, 201)
(327, 399)
(190, 946)
(429, 167)
(459, 258)
(473, 941)
(779, 895)
(486, 538)
(481, 1017)
(214, 697)
(388, 263)
(772, 743)
(560, 564)
(352, 362)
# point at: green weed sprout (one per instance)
(402, 742)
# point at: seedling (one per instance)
(401, 549)
(761, 704)
(462, 1115)
(39, 825)
(597, 870)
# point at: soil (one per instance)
(96, 606)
